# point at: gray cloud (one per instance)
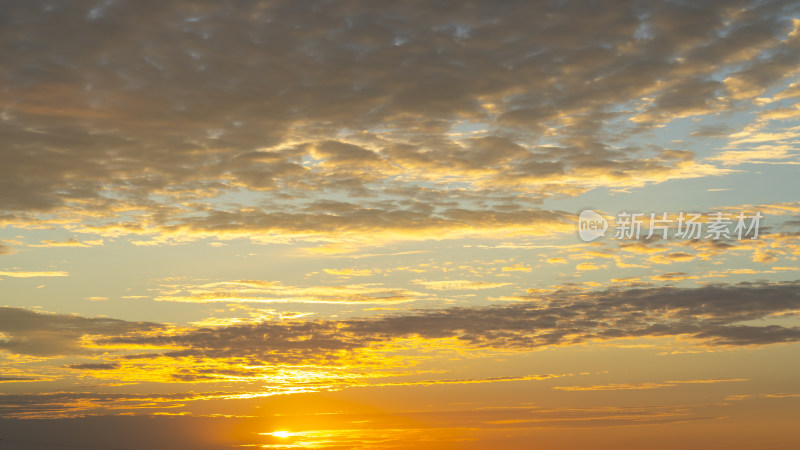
(710, 315)
(287, 342)
(157, 105)
(39, 334)
(93, 366)
(419, 221)
(13, 379)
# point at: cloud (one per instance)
(589, 266)
(793, 90)
(711, 131)
(641, 386)
(673, 276)
(781, 113)
(259, 291)
(463, 381)
(297, 118)
(713, 315)
(709, 315)
(40, 334)
(93, 366)
(448, 285)
(517, 268)
(350, 272)
(66, 404)
(758, 155)
(338, 353)
(68, 243)
(4, 379)
(354, 226)
(288, 342)
(26, 274)
(614, 387)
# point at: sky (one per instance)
(284, 224)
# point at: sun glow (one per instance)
(281, 434)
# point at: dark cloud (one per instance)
(709, 315)
(287, 342)
(39, 334)
(156, 104)
(735, 315)
(93, 366)
(124, 433)
(714, 131)
(39, 404)
(350, 218)
(12, 379)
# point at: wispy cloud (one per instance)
(28, 274)
(448, 285)
(258, 291)
(640, 386)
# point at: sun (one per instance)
(281, 434)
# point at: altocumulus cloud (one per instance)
(708, 316)
(40, 334)
(97, 92)
(716, 315)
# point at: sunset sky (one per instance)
(355, 224)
